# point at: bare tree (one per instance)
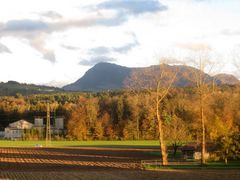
(157, 81)
(201, 60)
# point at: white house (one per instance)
(15, 130)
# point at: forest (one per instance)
(129, 115)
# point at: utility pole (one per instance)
(48, 127)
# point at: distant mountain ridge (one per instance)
(108, 76)
(226, 79)
(102, 76)
(12, 88)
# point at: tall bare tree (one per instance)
(157, 81)
(201, 60)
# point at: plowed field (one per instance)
(91, 163)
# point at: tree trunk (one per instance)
(175, 147)
(226, 160)
(161, 137)
(203, 161)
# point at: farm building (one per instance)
(15, 130)
(57, 124)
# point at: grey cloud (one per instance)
(51, 14)
(105, 50)
(49, 55)
(29, 26)
(4, 49)
(38, 42)
(24, 25)
(200, 1)
(126, 48)
(63, 25)
(117, 20)
(36, 32)
(69, 47)
(94, 60)
(133, 6)
(100, 50)
(126, 8)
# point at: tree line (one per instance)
(127, 115)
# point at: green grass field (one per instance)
(122, 144)
(210, 165)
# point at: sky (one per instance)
(54, 42)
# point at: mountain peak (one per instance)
(106, 64)
(102, 76)
(226, 79)
(109, 76)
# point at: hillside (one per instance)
(102, 76)
(226, 79)
(12, 88)
(107, 76)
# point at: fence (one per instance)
(154, 164)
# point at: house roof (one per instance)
(21, 124)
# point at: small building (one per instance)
(58, 127)
(2, 133)
(59, 123)
(188, 152)
(38, 122)
(56, 124)
(16, 130)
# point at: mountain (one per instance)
(226, 79)
(12, 88)
(102, 76)
(107, 76)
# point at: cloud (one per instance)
(4, 49)
(51, 15)
(134, 7)
(231, 32)
(24, 25)
(50, 55)
(116, 20)
(94, 60)
(125, 9)
(200, 1)
(69, 47)
(67, 24)
(101, 50)
(38, 43)
(36, 32)
(126, 48)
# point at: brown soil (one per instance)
(91, 163)
(54, 159)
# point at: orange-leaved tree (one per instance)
(157, 81)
